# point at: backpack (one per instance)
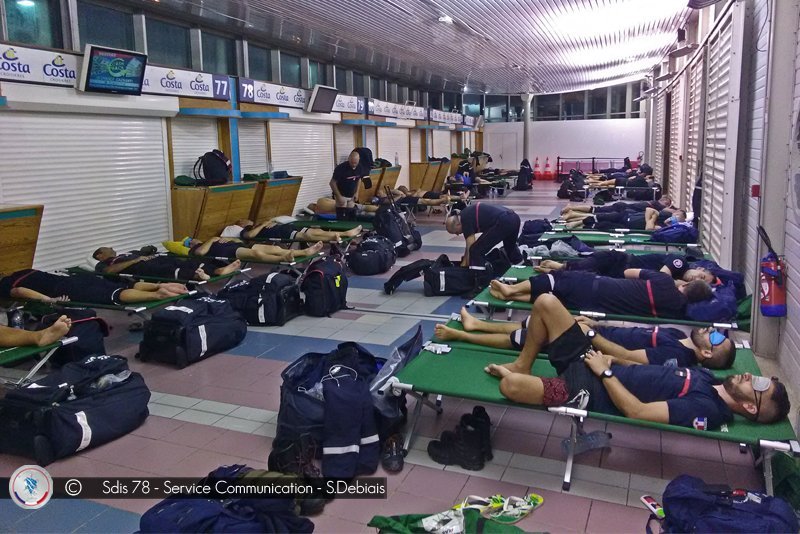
(84, 404)
(86, 326)
(536, 226)
(366, 161)
(566, 189)
(690, 505)
(325, 288)
(413, 270)
(212, 168)
(374, 255)
(267, 300)
(190, 330)
(390, 224)
(676, 233)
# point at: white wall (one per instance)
(599, 137)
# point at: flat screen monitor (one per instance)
(322, 99)
(110, 70)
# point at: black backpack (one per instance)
(190, 330)
(366, 161)
(86, 326)
(390, 224)
(212, 168)
(406, 273)
(374, 255)
(325, 288)
(267, 300)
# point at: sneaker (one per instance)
(481, 421)
(462, 448)
(392, 456)
(295, 457)
(579, 401)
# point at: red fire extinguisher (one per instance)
(773, 280)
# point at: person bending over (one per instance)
(344, 185)
(137, 264)
(31, 284)
(649, 220)
(691, 398)
(657, 345)
(496, 224)
(224, 247)
(665, 202)
(642, 293)
(16, 337)
(245, 229)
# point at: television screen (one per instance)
(322, 99)
(108, 70)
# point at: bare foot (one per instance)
(200, 274)
(230, 268)
(470, 323)
(286, 256)
(352, 233)
(337, 237)
(445, 333)
(574, 224)
(314, 249)
(164, 293)
(499, 290)
(175, 288)
(55, 331)
(501, 371)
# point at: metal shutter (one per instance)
(677, 138)
(344, 137)
(394, 142)
(694, 126)
(102, 183)
(721, 137)
(371, 138)
(454, 142)
(441, 144)
(415, 139)
(191, 138)
(660, 131)
(304, 149)
(253, 146)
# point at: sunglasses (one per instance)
(716, 337)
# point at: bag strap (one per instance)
(197, 170)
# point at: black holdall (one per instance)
(86, 326)
(409, 272)
(445, 278)
(191, 329)
(392, 225)
(267, 300)
(212, 168)
(374, 255)
(325, 288)
(85, 404)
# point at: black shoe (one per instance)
(462, 448)
(392, 457)
(295, 457)
(481, 421)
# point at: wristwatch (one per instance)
(591, 333)
(608, 373)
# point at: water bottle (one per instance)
(15, 319)
(396, 160)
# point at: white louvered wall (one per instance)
(454, 142)
(660, 132)
(191, 138)
(694, 127)
(344, 136)
(415, 140)
(676, 139)
(441, 143)
(104, 183)
(371, 138)
(253, 146)
(394, 142)
(304, 149)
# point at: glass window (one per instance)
(547, 107)
(435, 99)
(618, 95)
(290, 69)
(403, 93)
(168, 44)
(36, 22)
(341, 79)
(572, 105)
(219, 54)
(449, 103)
(358, 84)
(637, 106)
(496, 108)
(260, 60)
(104, 26)
(598, 103)
(517, 109)
(317, 74)
(374, 88)
(472, 105)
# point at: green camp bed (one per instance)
(485, 300)
(618, 239)
(460, 373)
(333, 225)
(156, 279)
(14, 354)
(345, 243)
(297, 265)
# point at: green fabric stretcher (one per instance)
(608, 238)
(332, 226)
(345, 241)
(484, 298)
(132, 307)
(121, 276)
(14, 354)
(459, 373)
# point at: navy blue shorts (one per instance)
(279, 231)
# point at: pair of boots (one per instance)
(468, 446)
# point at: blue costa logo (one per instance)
(198, 84)
(11, 63)
(57, 69)
(282, 96)
(169, 81)
(263, 93)
(299, 97)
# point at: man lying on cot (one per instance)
(495, 224)
(430, 195)
(657, 345)
(246, 229)
(327, 206)
(16, 337)
(643, 293)
(136, 263)
(662, 394)
(31, 284)
(228, 247)
(665, 202)
(614, 263)
(634, 220)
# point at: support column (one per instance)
(526, 125)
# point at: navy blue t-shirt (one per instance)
(661, 344)
(347, 178)
(40, 281)
(103, 265)
(699, 407)
(654, 262)
(479, 217)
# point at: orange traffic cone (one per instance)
(548, 172)
(537, 172)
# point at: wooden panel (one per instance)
(454, 163)
(241, 203)
(417, 174)
(184, 102)
(277, 198)
(352, 116)
(214, 216)
(187, 205)
(438, 183)
(364, 195)
(19, 232)
(247, 106)
(430, 175)
(390, 176)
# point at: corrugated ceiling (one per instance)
(499, 46)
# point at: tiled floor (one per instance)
(223, 410)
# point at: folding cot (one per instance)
(333, 225)
(345, 242)
(617, 238)
(15, 354)
(297, 265)
(460, 373)
(155, 279)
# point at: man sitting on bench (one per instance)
(651, 219)
(136, 263)
(225, 247)
(496, 224)
(16, 337)
(31, 284)
(657, 345)
(245, 229)
(690, 398)
(643, 293)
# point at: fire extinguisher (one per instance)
(773, 280)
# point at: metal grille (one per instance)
(393, 143)
(660, 131)
(191, 138)
(676, 139)
(694, 125)
(253, 146)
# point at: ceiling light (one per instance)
(26, 3)
(684, 50)
(447, 19)
(616, 19)
(626, 50)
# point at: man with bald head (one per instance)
(344, 185)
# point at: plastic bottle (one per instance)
(15, 319)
